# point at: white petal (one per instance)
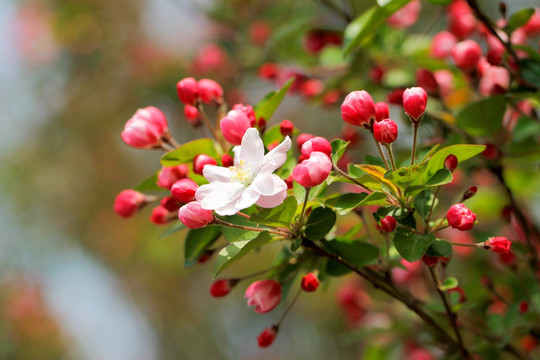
(268, 185)
(252, 150)
(217, 195)
(275, 157)
(248, 198)
(272, 201)
(214, 173)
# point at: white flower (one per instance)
(250, 181)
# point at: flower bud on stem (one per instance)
(415, 134)
(379, 148)
(391, 155)
(217, 135)
(275, 231)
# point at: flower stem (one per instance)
(380, 149)
(301, 219)
(480, 245)
(348, 177)
(224, 223)
(211, 128)
(408, 228)
(431, 209)
(415, 135)
(288, 308)
(391, 155)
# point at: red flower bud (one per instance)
(210, 91)
(451, 162)
(523, 307)
(222, 287)
(160, 215)
(381, 111)
(414, 102)
(499, 245)
(469, 193)
(491, 152)
(508, 258)
(268, 71)
(128, 202)
(466, 54)
(234, 125)
(317, 143)
(388, 223)
(267, 336)
(426, 80)
(430, 260)
(461, 20)
(310, 282)
(167, 176)
(313, 171)
(395, 96)
(286, 128)
(532, 27)
(376, 74)
(188, 91)
(442, 44)
(205, 256)
(169, 203)
(385, 131)
(358, 109)
(461, 218)
(227, 160)
(264, 294)
(192, 115)
(312, 87)
(200, 161)
(184, 190)
(146, 128)
(194, 216)
(302, 138)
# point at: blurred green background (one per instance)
(77, 281)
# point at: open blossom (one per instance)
(250, 181)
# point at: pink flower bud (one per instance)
(312, 87)
(188, 91)
(248, 110)
(310, 282)
(381, 111)
(128, 202)
(466, 54)
(210, 91)
(264, 294)
(145, 129)
(414, 102)
(184, 190)
(499, 245)
(227, 160)
(406, 16)
(286, 128)
(445, 81)
(317, 143)
(200, 161)
(461, 21)
(469, 193)
(234, 126)
(267, 336)
(461, 218)
(358, 109)
(451, 162)
(313, 171)
(442, 44)
(385, 131)
(302, 138)
(192, 115)
(532, 27)
(396, 96)
(210, 57)
(160, 215)
(194, 216)
(169, 203)
(425, 79)
(388, 223)
(495, 80)
(331, 97)
(222, 287)
(167, 176)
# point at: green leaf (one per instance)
(405, 176)
(233, 234)
(186, 152)
(333, 268)
(238, 249)
(268, 104)
(518, 19)
(440, 248)
(279, 216)
(367, 24)
(177, 226)
(338, 149)
(148, 185)
(373, 160)
(448, 283)
(197, 241)
(530, 70)
(345, 203)
(320, 222)
(412, 246)
(484, 117)
(441, 177)
(422, 202)
(440, 2)
(357, 253)
(462, 152)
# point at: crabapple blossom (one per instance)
(313, 171)
(286, 128)
(316, 144)
(381, 111)
(184, 190)
(499, 245)
(250, 181)
(160, 215)
(194, 216)
(358, 109)
(128, 202)
(442, 44)
(167, 176)
(234, 126)
(188, 91)
(209, 91)
(192, 115)
(146, 129)
(466, 54)
(222, 287)
(200, 161)
(264, 294)
(310, 282)
(385, 131)
(388, 223)
(414, 102)
(267, 336)
(461, 218)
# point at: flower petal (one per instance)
(275, 157)
(251, 150)
(214, 173)
(219, 195)
(272, 201)
(248, 198)
(268, 185)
